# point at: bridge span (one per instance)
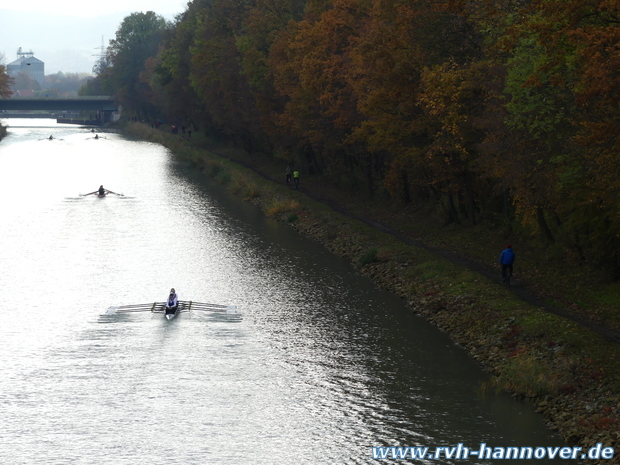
(103, 104)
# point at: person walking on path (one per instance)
(506, 259)
(289, 173)
(296, 178)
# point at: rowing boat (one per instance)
(105, 192)
(183, 306)
(171, 312)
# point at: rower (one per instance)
(172, 303)
(102, 190)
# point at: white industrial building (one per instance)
(27, 64)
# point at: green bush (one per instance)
(370, 256)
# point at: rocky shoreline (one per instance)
(530, 353)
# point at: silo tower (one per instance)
(27, 64)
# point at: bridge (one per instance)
(103, 104)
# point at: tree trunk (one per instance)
(471, 200)
(311, 160)
(453, 215)
(506, 204)
(369, 179)
(542, 224)
(406, 192)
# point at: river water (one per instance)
(318, 367)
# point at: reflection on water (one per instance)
(318, 368)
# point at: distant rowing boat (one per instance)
(184, 306)
(105, 192)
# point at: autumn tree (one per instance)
(5, 83)
(595, 33)
(401, 40)
(453, 98)
(217, 75)
(24, 82)
(173, 67)
(485, 108)
(310, 63)
(264, 23)
(387, 62)
(138, 38)
(556, 78)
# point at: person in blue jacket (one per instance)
(506, 259)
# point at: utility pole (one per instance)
(101, 54)
(97, 68)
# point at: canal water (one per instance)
(318, 367)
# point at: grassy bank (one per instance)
(569, 372)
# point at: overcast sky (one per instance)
(66, 34)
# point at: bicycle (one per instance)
(506, 275)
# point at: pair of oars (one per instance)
(184, 305)
(206, 307)
(105, 193)
(133, 308)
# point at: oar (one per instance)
(110, 192)
(184, 306)
(147, 306)
(196, 306)
(132, 311)
(131, 308)
(218, 309)
(136, 309)
(203, 304)
(126, 310)
(90, 193)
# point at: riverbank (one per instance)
(570, 372)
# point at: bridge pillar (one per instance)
(105, 116)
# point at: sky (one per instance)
(67, 34)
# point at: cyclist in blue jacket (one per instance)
(506, 259)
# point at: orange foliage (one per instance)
(465, 99)
(5, 83)
(310, 64)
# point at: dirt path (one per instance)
(517, 288)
